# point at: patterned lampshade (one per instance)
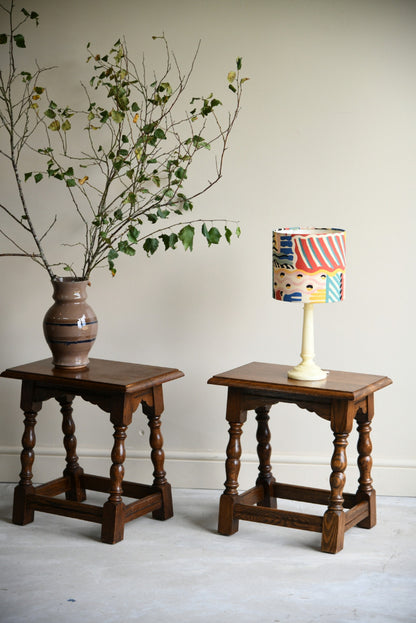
(309, 265)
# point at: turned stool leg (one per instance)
(227, 524)
(22, 513)
(113, 510)
(333, 526)
(157, 456)
(73, 469)
(264, 451)
(365, 490)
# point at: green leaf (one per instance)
(69, 171)
(228, 234)
(199, 142)
(124, 247)
(118, 162)
(159, 133)
(152, 218)
(119, 55)
(212, 235)
(135, 107)
(38, 177)
(148, 128)
(117, 116)
(118, 214)
(131, 198)
(180, 173)
(112, 255)
(232, 88)
(150, 245)
(66, 125)
(19, 41)
(3, 38)
(169, 241)
(162, 213)
(186, 236)
(165, 86)
(238, 232)
(50, 113)
(133, 234)
(239, 62)
(39, 90)
(27, 175)
(32, 15)
(71, 182)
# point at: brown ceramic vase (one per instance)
(70, 325)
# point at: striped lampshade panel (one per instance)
(309, 265)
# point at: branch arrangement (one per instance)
(128, 186)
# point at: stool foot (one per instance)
(22, 513)
(77, 491)
(166, 512)
(333, 528)
(227, 524)
(112, 530)
(269, 501)
(371, 520)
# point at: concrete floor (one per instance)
(182, 571)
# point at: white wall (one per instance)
(326, 137)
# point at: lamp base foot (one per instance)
(307, 371)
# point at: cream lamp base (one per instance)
(307, 370)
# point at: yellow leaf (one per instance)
(231, 76)
(84, 179)
(54, 126)
(136, 117)
(35, 97)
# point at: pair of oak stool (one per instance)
(119, 388)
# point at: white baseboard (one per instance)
(205, 470)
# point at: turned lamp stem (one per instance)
(307, 370)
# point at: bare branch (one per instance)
(49, 228)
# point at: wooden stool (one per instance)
(118, 389)
(340, 398)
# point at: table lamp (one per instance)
(308, 268)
